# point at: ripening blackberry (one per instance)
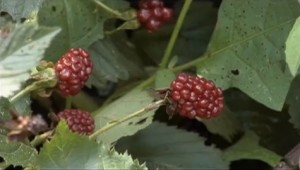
(196, 97)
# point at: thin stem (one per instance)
(138, 113)
(41, 138)
(108, 9)
(189, 64)
(23, 92)
(167, 55)
(147, 82)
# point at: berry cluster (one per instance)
(78, 121)
(73, 70)
(153, 14)
(196, 97)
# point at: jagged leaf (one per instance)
(132, 102)
(164, 78)
(227, 125)
(22, 106)
(67, 150)
(20, 9)
(4, 109)
(292, 51)
(17, 154)
(84, 26)
(248, 148)
(165, 147)
(247, 50)
(20, 50)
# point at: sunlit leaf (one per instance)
(164, 147)
(21, 48)
(247, 49)
(68, 150)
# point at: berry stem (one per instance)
(189, 64)
(138, 113)
(167, 55)
(43, 83)
(41, 138)
(108, 9)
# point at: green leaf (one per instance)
(227, 125)
(20, 9)
(292, 51)
(22, 105)
(109, 62)
(132, 102)
(84, 24)
(248, 148)
(247, 49)
(68, 150)
(17, 154)
(165, 147)
(21, 50)
(4, 109)
(164, 78)
(193, 38)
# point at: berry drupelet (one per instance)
(196, 97)
(73, 71)
(78, 121)
(153, 14)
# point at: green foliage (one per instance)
(292, 51)
(192, 40)
(20, 50)
(248, 148)
(132, 102)
(81, 22)
(20, 9)
(109, 63)
(247, 50)
(294, 103)
(4, 109)
(252, 55)
(164, 78)
(22, 106)
(67, 150)
(17, 154)
(227, 125)
(166, 147)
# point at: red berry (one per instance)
(153, 14)
(157, 13)
(145, 4)
(155, 3)
(167, 14)
(78, 121)
(153, 25)
(144, 15)
(196, 97)
(73, 70)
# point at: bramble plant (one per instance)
(149, 84)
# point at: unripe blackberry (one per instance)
(78, 121)
(153, 15)
(196, 97)
(73, 71)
